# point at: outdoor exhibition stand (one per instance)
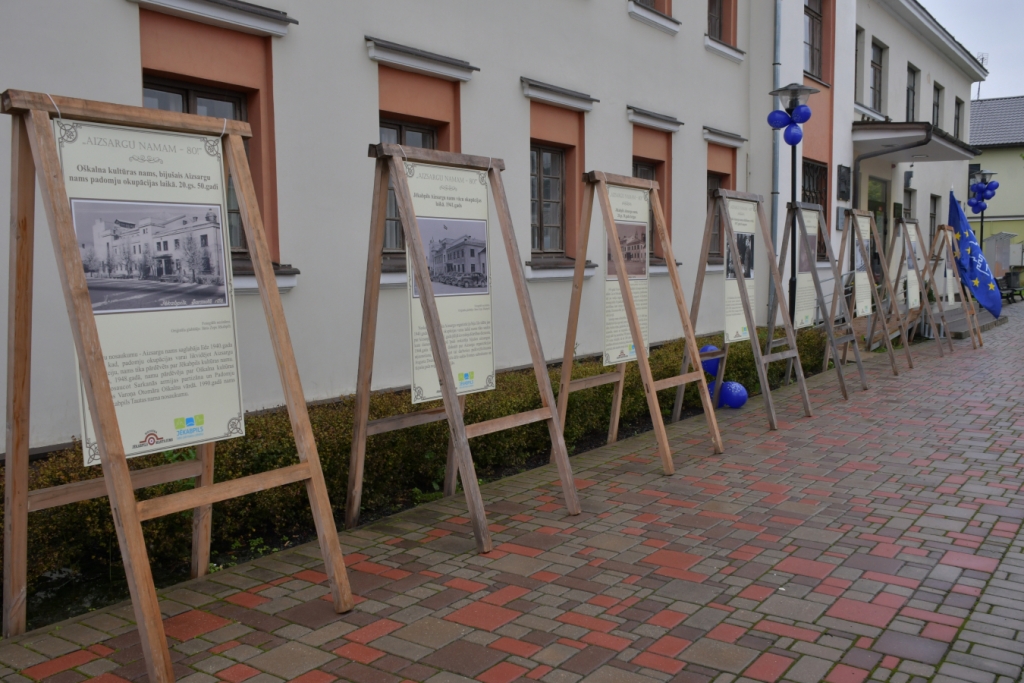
(390, 167)
(719, 201)
(890, 318)
(925, 283)
(945, 247)
(34, 155)
(843, 328)
(597, 184)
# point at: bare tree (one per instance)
(90, 262)
(110, 263)
(126, 259)
(193, 255)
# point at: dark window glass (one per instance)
(911, 94)
(933, 217)
(936, 104)
(647, 171)
(715, 19)
(192, 99)
(877, 54)
(958, 110)
(812, 37)
(908, 203)
(715, 182)
(410, 135)
(547, 199)
(815, 191)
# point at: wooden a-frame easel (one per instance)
(597, 183)
(34, 156)
(843, 328)
(924, 283)
(891, 311)
(945, 247)
(389, 167)
(719, 201)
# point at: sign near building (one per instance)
(149, 213)
(452, 211)
(913, 267)
(631, 209)
(806, 296)
(862, 286)
(743, 215)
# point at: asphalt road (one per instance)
(116, 295)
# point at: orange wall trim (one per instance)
(819, 131)
(563, 128)
(655, 146)
(422, 99)
(722, 159)
(209, 55)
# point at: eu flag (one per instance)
(973, 267)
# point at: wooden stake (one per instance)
(202, 517)
(19, 362)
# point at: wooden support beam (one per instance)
(594, 381)
(202, 517)
(405, 420)
(76, 492)
(678, 380)
(499, 424)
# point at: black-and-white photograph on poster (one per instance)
(745, 245)
(456, 255)
(633, 242)
(142, 256)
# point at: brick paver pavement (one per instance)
(880, 540)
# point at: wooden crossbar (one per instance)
(225, 490)
(499, 424)
(594, 381)
(405, 420)
(781, 355)
(433, 156)
(677, 380)
(76, 492)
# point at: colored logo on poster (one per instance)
(465, 379)
(189, 427)
(152, 438)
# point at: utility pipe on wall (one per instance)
(776, 104)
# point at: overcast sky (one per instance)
(995, 27)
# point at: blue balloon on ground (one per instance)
(793, 135)
(779, 119)
(734, 394)
(802, 114)
(710, 366)
(993, 185)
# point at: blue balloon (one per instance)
(710, 366)
(802, 114)
(972, 201)
(793, 135)
(982, 206)
(779, 119)
(989, 193)
(993, 185)
(977, 187)
(975, 209)
(734, 394)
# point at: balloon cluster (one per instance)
(982, 192)
(779, 119)
(733, 394)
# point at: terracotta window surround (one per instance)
(185, 50)
(655, 147)
(728, 23)
(722, 162)
(819, 131)
(557, 127)
(416, 98)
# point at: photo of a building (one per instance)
(456, 255)
(150, 256)
(633, 243)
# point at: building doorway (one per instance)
(878, 205)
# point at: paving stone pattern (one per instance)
(880, 540)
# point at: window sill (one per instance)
(714, 267)
(723, 49)
(659, 267)
(817, 80)
(866, 111)
(556, 269)
(653, 18)
(244, 276)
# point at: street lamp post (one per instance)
(794, 100)
(984, 188)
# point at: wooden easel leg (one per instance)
(19, 362)
(305, 445)
(559, 451)
(367, 340)
(620, 385)
(202, 517)
(451, 467)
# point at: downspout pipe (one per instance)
(776, 135)
(882, 152)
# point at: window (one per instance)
(877, 54)
(936, 104)
(177, 244)
(908, 203)
(715, 19)
(715, 181)
(191, 99)
(203, 242)
(815, 191)
(547, 199)
(647, 171)
(934, 210)
(812, 37)
(409, 135)
(958, 110)
(911, 93)
(858, 68)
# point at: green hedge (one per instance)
(402, 468)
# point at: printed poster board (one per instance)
(743, 216)
(913, 261)
(149, 211)
(631, 210)
(806, 296)
(861, 284)
(895, 260)
(952, 293)
(451, 206)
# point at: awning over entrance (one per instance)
(911, 142)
